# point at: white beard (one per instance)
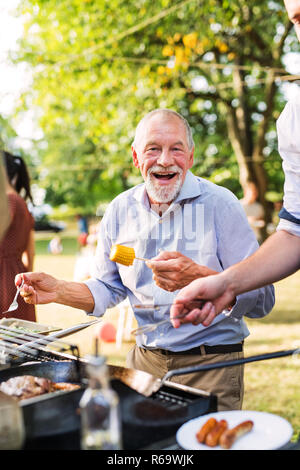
(163, 194)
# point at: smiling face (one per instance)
(162, 153)
(293, 10)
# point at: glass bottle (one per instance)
(12, 433)
(99, 410)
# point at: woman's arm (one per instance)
(28, 255)
(4, 212)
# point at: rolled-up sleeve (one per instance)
(254, 304)
(289, 226)
(288, 126)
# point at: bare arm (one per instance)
(28, 255)
(276, 259)
(41, 288)
(4, 211)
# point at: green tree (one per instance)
(7, 134)
(99, 66)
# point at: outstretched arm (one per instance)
(41, 288)
(276, 259)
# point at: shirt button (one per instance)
(160, 221)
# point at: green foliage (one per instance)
(99, 66)
(69, 244)
(6, 134)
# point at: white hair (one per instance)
(169, 112)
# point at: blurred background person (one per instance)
(55, 246)
(17, 246)
(85, 257)
(4, 212)
(83, 230)
(271, 227)
(254, 210)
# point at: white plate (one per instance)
(269, 432)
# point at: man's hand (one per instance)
(214, 289)
(38, 288)
(41, 288)
(173, 271)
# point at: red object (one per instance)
(82, 239)
(107, 332)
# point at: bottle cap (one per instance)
(96, 361)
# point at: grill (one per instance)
(49, 417)
(52, 420)
(17, 347)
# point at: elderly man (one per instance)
(279, 255)
(190, 225)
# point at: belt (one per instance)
(217, 349)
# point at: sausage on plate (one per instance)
(231, 435)
(206, 428)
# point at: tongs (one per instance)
(149, 327)
(45, 340)
(147, 384)
(197, 303)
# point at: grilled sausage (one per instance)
(206, 428)
(213, 437)
(231, 435)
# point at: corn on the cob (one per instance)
(122, 254)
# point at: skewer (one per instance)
(13, 335)
(7, 348)
(20, 344)
(96, 347)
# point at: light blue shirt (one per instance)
(205, 223)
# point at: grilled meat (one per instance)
(28, 386)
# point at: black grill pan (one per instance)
(145, 420)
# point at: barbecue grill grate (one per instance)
(171, 400)
(20, 346)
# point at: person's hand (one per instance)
(214, 289)
(173, 270)
(38, 288)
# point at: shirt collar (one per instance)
(190, 189)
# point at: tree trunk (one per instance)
(260, 173)
(249, 155)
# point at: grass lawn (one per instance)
(272, 386)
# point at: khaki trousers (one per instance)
(227, 383)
